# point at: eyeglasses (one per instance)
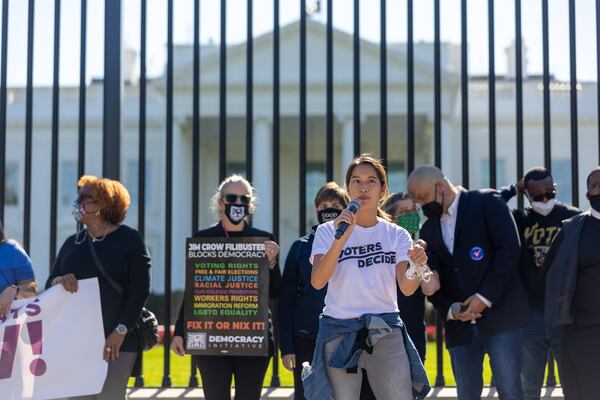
(83, 198)
(234, 198)
(541, 197)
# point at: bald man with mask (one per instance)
(474, 245)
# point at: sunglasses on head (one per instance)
(234, 198)
(541, 197)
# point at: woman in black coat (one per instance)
(233, 204)
(101, 206)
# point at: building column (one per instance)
(182, 201)
(262, 157)
(347, 145)
(451, 151)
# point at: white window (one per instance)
(68, 187)
(561, 173)
(397, 176)
(11, 184)
(236, 168)
(315, 178)
(131, 182)
(500, 174)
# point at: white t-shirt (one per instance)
(364, 281)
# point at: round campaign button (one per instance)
(476, 254)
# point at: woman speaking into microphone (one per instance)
(360, 326)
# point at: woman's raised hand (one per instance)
(272, 250)
(417, 255)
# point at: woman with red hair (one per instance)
(109, 245)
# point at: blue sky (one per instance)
(289, 11)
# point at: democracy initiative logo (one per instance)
(196, 341)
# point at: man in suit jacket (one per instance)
(474, 245)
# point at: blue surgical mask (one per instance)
(78, 211)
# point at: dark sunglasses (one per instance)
(234, 198)
(541, 197)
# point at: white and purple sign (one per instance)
(51, 345)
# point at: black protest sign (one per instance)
(227, 296)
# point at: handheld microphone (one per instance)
(458, 308)
(353, 207)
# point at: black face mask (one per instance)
(236, 213)
(328, 214)
(433, 209)
(595, 201)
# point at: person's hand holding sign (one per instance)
(6, 299)
(272, 250)
(68, 281)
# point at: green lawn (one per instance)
(180, 369)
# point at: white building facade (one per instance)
(263, 135)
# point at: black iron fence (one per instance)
(113, 104)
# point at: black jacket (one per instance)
(125, 257)
(300, 304)
(217, 231)
(561, 271)
(485, 222)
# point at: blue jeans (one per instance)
(538, 339)
(504, 350)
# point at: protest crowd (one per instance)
(516, 284)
